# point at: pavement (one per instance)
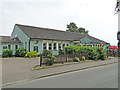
(97, 77)
(26, 74)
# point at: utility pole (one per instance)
(117, 11)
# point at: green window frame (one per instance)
(35, 48)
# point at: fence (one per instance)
(70, 57)
(112, 53)
(64, 58)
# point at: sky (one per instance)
(96, 16)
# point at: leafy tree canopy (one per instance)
(72, 27)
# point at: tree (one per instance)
(72, 27)
(82, 30)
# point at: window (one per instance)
(102, 45)
(44, 46)
(55, 46)
(4, 47)
(9, 46)
(16, 46)
(50, 46)
(63, 45)
(35, 48)
(59, 46)
(89, 45)
(67, 44)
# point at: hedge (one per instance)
(7, 53)
(93, 53)
(20, 52)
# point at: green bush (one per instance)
(20, 52)
(31, 54)
(92, 52)
(61, 52)
(7, 53)
(50, 60)
(102, 53)
(70, 49)
(76, 59)
(46, 52)
(83, 58)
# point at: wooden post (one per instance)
(40, 59)
(61, 58)
(66, 58)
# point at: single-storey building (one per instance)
(37, 39)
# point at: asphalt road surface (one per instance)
(98, 77)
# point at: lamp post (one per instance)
(118, 38)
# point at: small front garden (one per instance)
(21, 52)
(69, 55)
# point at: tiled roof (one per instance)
(52, 34)
(7, 39)
(4, 38)
(45, 33)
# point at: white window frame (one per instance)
(67, 44)
(60, 46)
(54, 46)
(64, 45)
(49, 45)
(43, 45)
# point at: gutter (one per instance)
(29, 44)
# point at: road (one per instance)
(98, 77)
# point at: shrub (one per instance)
(76, 59)
(46, 52)
(92, 52)
(7, 53)
(68, 49)
(31, 54)
(61, 52)
(50, 59)
(102, 53)
(83, 58)
(20, 52)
